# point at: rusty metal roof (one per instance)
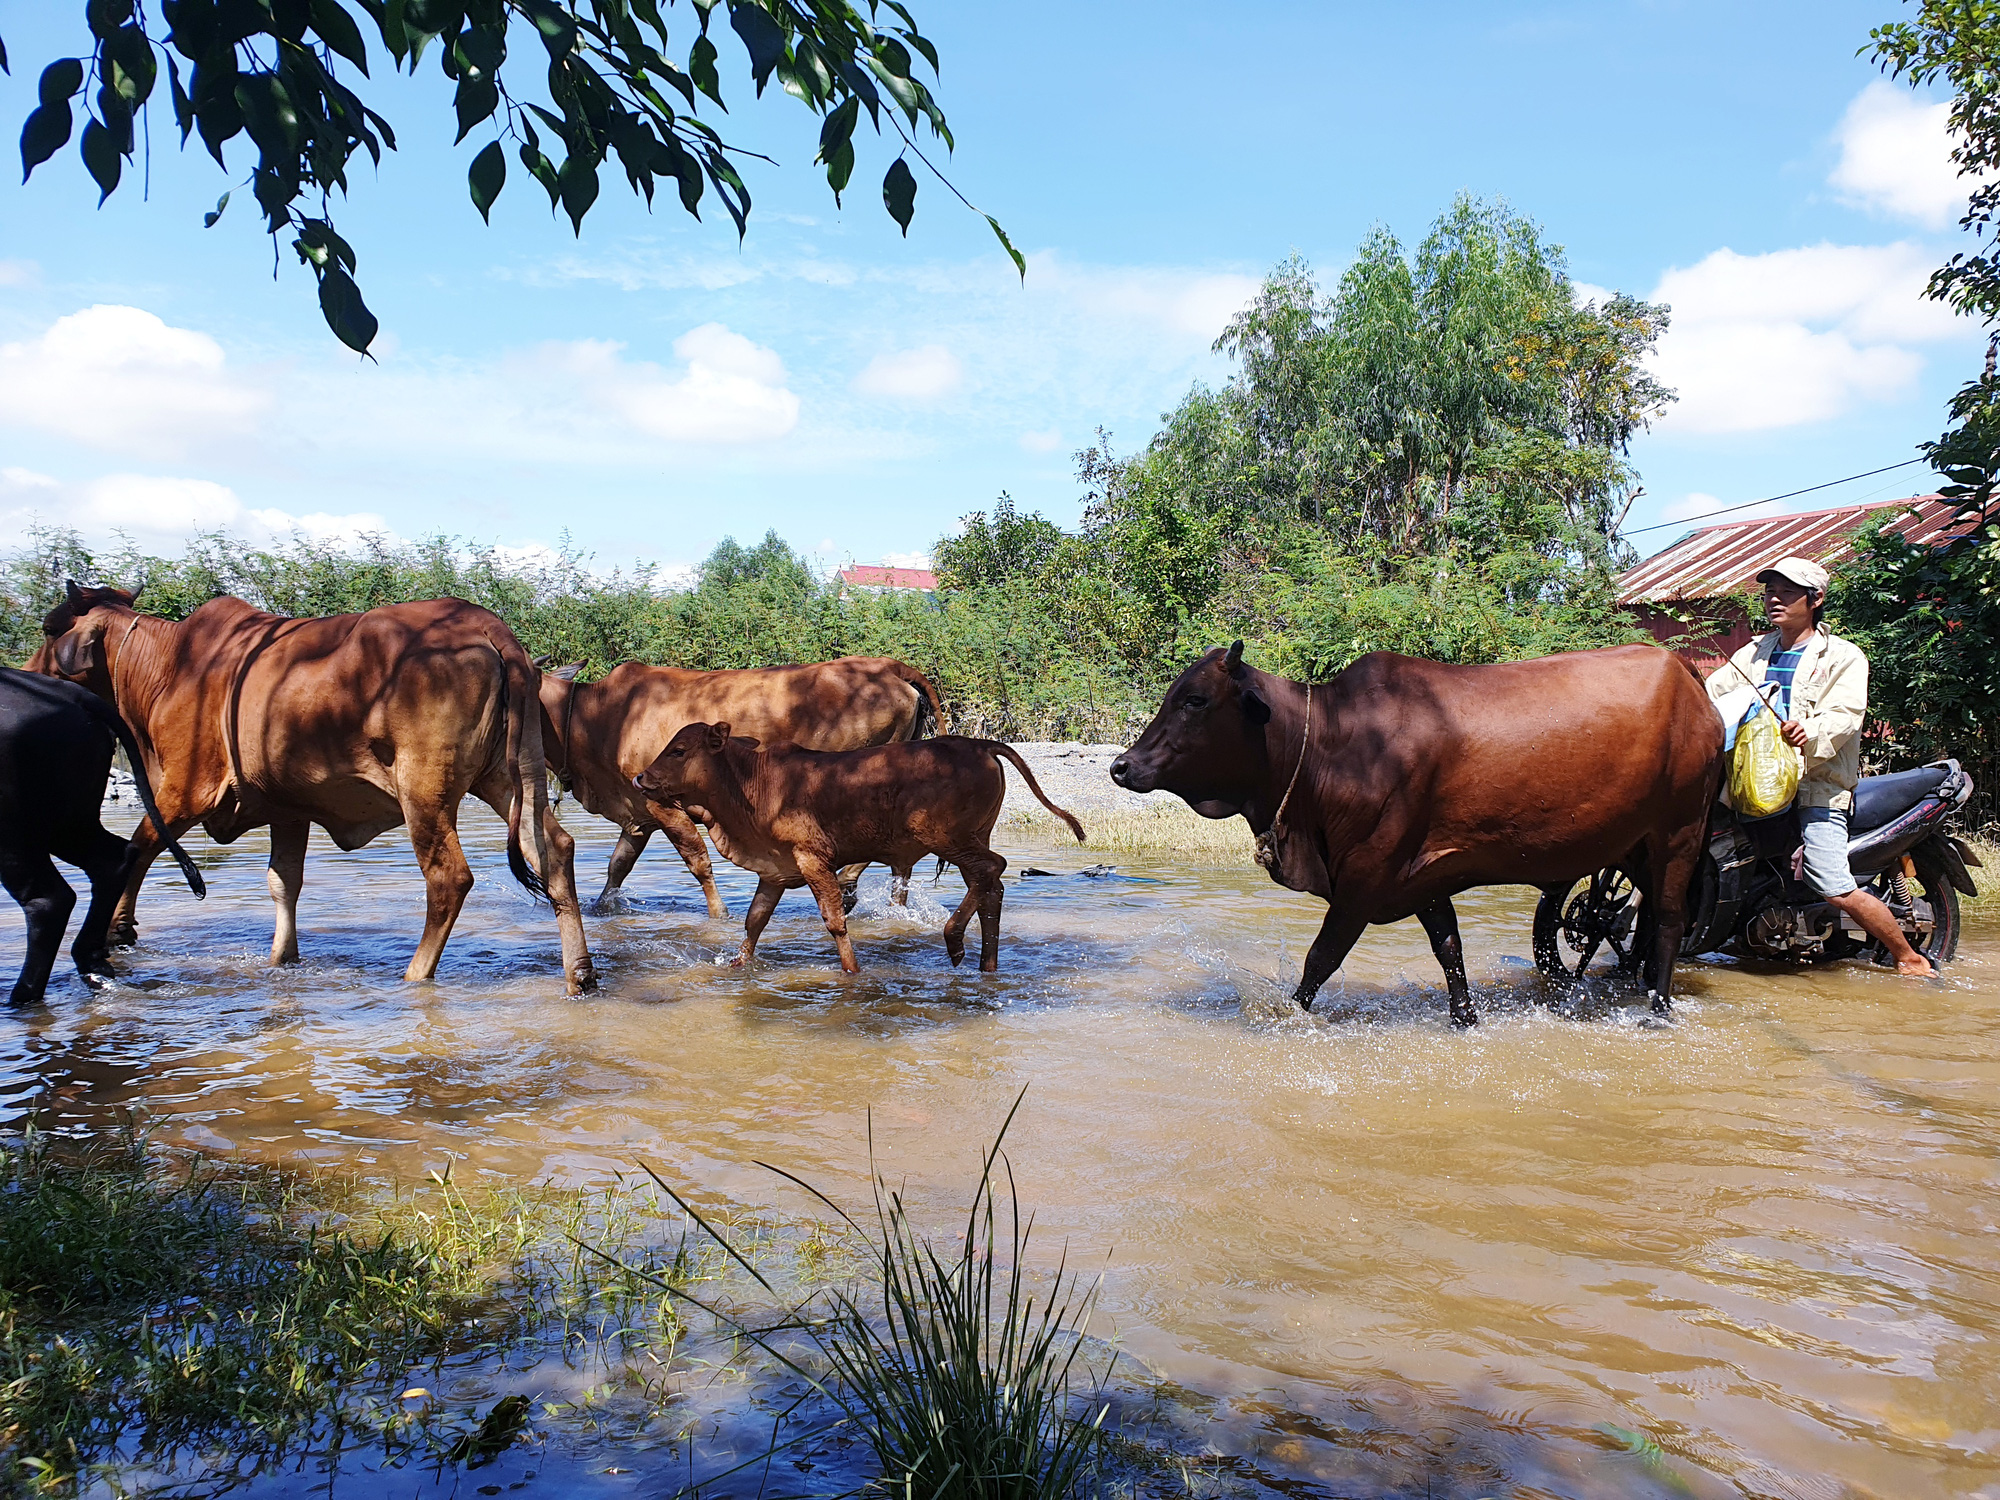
(868, 576)
(1717, 561)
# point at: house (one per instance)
(877, 580)
(1701, 579)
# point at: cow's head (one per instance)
(691, 767)
(73, 637)
(1207, 741)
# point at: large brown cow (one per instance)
(1418, 780)
(600, 735)
(797, 816)
(354, 722)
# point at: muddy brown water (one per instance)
(1358, 1253)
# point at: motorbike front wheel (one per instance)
(1574, 922)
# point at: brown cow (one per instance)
(1419, 780)
(599, 735)
(796, 816)
(354, 722)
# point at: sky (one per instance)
(653, 386)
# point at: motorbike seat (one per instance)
(1880, 799)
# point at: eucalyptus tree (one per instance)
(566, 87)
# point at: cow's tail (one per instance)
(930, 712)
(1009, 753)
(115, 722)
(525, 765)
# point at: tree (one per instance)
(278, 72)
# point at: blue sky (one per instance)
(653, 387)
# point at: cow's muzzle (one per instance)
(1129, 775)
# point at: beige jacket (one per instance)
(1829, 698)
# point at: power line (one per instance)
(1769, 499)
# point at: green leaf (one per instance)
(133, 69)
(337, 29)
(762, 37)
(1020, 262)
(45, 133)
(106, 16)
(395, 34)
(487, 176)
(578, 184)
(475, 101)
(701, 68)
(102, 157)
(3, 56)
(557, 26)
(208, 220)
(183, 106)
(899, 193)
(346, 314)
(61, 79)
(543, 171)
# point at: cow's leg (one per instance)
(1337, 936)
(1669, 907)
(954, 927)
(686, 836)
(631, 844)
(982, 873)
(579, 974)
(46, 901)
(146, 847)
(433, 825)
(769, 889)
(283, 879)
(825, 886)
(899, 884)
(102, 857)
(850, 885)
(1440, 921)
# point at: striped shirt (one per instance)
(1783, 665)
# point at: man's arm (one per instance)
(1836, 718)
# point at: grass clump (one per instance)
(962, 1370)
(177, 1313)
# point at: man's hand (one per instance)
(1793, 733)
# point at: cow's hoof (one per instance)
(585, 982)
(97, 973)
(122, 935)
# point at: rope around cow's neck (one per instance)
(1267, 841)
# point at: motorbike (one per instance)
(1749, 890)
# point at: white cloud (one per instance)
(906, 560)
(1795, 336)
(122, 378)
(1194, 303)
(912, 374)
(1046, 440)
(1895, 157)
(731, 391)
(19, 273)
(161, 510)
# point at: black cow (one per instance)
(56, 741)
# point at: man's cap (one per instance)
(1803, 571)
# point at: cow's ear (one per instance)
(77, 652)
(1233, 662)
(1255, 709)
(718, 735)
(746, 742)
(568, 673)
(75, 596)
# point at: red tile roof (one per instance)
(867, 576)
(1720, 560)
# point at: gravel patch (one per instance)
(1077, 777)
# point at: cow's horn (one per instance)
(1233, 662)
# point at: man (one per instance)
(1822, 696)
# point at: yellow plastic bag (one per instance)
(1764, 775)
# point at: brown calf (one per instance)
(796, 816)
(599, 735)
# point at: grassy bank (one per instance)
(1163, 830)
(170, 1321)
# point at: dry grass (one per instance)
(1986, 878)
(1162, 829)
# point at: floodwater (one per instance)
(1359, 1253)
